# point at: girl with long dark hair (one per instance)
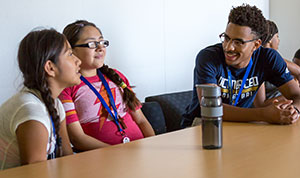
(32, 122)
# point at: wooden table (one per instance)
(249, 150)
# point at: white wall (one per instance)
(286, 15)
(154, 42)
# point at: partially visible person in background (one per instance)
(32, 122)
(296, 58)
(269, 92)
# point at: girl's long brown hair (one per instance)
(35, 49)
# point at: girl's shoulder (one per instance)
(23, 99)
(120, 73)
(73, 89)
(27, 95)
(23, 106)
(122, 76)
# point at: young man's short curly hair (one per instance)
(250, 16)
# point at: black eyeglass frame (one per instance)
(104, 43)
(239, 40)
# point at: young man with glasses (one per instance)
(239, 66)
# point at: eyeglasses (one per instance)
(94, 44)
(236, 42)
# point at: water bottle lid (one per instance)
(209, 90)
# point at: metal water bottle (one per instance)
(211, 115)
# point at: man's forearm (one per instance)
(233, 113)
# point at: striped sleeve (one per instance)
(69, 106)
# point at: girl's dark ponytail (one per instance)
(49, 102)
(129, 97)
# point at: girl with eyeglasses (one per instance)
(102, 110)
(32, 122)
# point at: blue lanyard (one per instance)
(53, 127)
(53, 155)
(111, 99)
(242, 86)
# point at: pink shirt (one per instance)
(81, 104)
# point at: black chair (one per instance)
(155, 116)
(173, 106)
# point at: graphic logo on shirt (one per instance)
(88, 107)
(287, 70)
(250, 87)
(103, 113)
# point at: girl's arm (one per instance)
(261, 100)
(80, 140)
(260, 97)
(32, 137)
(66, 145)
(143, 123)
(293, 68)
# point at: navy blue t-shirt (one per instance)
(210, 67)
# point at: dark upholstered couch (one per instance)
(164, 111)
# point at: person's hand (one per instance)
(281, 112)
